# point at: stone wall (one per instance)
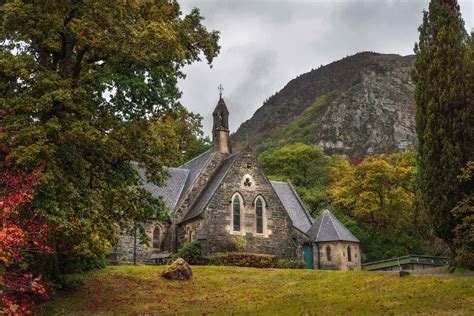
(123, 252)
(278, 237)
(200, 183)
(190, 197)
(188, 232)
(339, 257)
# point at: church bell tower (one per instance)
(220, 129)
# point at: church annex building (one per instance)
(220, 195)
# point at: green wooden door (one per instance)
(308, 256)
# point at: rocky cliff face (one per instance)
(357, 106)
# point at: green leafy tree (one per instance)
(306, 166)
(90, 87)
(186, 130)
(445, 112)
(189, 135)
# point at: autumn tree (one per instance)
(92, 86)
(444, 114)
(379, 196)
(23, 236)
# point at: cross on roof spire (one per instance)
(220, 88)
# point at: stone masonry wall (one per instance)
(339, 258)
(123, 251)
(195, 190)
(278, 237)
(189, 232)
(190, 197)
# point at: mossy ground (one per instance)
(225, 290)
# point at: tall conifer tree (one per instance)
(444, 112)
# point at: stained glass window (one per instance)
(259, 216)
(236, 213)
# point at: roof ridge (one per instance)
(201, 154)
(277, 181)
(320, 224)
(234, 156)
(344, 226)
(333, 225)
(177, 168)
(334, 230)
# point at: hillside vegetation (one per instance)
(359, 105)
(139, 290)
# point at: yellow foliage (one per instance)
(379, 191)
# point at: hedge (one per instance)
(240, 259)
(291, 264)
(191, 253)
(253, 260)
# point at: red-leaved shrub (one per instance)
(22, 234)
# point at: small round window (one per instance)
(247, 182)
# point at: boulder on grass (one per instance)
(178, 270)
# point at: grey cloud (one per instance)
(257, 80)
(267, 43)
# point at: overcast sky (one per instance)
(266, 43)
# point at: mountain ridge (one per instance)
(357, 106)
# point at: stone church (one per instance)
(220, 196)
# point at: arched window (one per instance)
(236, 213)
(156, 237)
(259, 216)
(328, 252)
(349, 254)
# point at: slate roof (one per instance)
(293, 205)
(195, 166)
(171, 190)
(211, 187)
(329, 228)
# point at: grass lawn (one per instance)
(140, 290)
